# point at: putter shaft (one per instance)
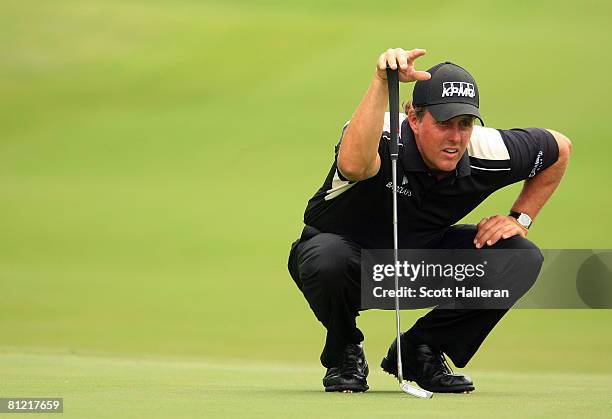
(393, 87)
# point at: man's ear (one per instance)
(412, 120)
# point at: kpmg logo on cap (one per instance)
(458, 88)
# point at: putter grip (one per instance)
(393, 85)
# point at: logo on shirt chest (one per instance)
(403, 189)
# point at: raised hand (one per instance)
(405, 61)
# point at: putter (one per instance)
(393, 85)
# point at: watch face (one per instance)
(524, 220)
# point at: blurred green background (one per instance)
(156, 158)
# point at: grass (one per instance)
(94, 386)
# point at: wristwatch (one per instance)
(522, 218)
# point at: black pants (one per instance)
(326, 268)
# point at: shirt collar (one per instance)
(411, 157)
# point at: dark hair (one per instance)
(419, 111)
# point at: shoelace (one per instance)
(445, 363)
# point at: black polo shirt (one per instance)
(362, 210)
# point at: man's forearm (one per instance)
(358, 156)
(537, 190)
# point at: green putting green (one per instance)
(98, 387)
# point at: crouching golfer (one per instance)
(447, 167)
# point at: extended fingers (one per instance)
(416, 53)
(487, 228)
(492, 229)
(513, 230)
(483, 222)
(505, 232)
(482, 229)
(495, 234)
(421, 75)
(486, 234)
(412, 56)
(404, 60)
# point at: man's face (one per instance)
(441, 143)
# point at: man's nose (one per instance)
(455, 135)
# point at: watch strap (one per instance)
(516, 215)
